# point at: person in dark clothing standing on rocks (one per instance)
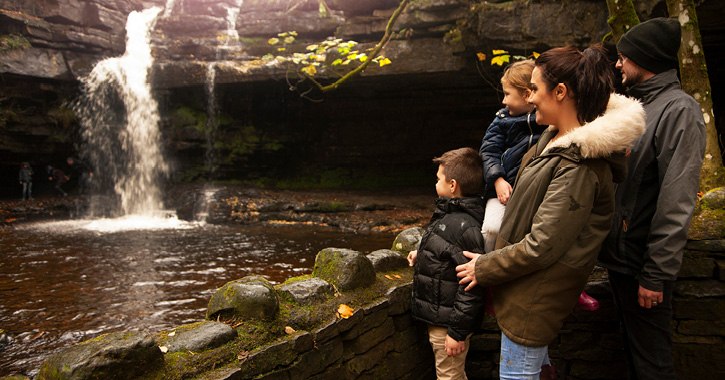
(654, 205)
(58, 177)
(79, 174)
(26, 179)
(451, 312)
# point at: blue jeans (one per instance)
(519, 362)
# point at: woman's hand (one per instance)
(503, 190)
(454, 347)
(467, 271)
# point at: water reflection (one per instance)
(65, 282)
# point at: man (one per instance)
(654, 206)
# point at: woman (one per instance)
(561, 207)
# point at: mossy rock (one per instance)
(250, 298)
(344, 268)
(714, 199)
(116, 355)
(408, 240)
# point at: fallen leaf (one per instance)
(10, 220)
(243, 355)
(345, 311)
(164, 349)
(172, 333)
(289, 330)
(388, 277)
(397, 276)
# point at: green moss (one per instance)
(13, 41)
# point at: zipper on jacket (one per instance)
(531, 131)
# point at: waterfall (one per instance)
(211, 159)
(119, 123)
(169, 8)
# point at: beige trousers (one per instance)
(447, 367)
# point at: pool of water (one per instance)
(65, 282)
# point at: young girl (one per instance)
(511, 134)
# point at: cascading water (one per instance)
(119, 123)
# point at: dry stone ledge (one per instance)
(408, 240)
(117, 356)
(200, 336)
(385, 260)
(344, 268)
(251, 297)
(307, 292)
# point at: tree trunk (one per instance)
(622, 17)
(695, 81)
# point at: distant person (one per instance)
(561, 207)
(79, 174)
(451, 312)
(26, 179)
(654, 205)
(58, 177)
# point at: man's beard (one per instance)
(632, 78)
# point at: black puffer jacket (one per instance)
(437, 298)
(504, 144)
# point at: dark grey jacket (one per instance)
(654, 206)
(437, 297)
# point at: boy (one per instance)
(438, 300)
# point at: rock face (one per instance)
(358, 135)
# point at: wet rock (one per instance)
(408, 240)
(309, 291)
(200, 336)
(344, 268)
(251, 297)
(43, 63)
(118, 355)
(385, 260)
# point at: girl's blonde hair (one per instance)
(518, 74)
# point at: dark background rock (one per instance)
(377, 130)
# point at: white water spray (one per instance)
(119, 122)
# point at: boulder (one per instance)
(309, 291)
(408, 240)
(385, 260)
(199, 336)
(344, 268)
(251, 297)
(118, 356)
(714, 199)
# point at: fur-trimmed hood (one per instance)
(614, 131)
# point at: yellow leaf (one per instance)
(281, 49)
(500, 59)
(536, 55)
(273, 41)
(289, 330)
(310, 70)
(345, 311)
(397, 276)
(388, 277)
(164, 349)
(363, 57)
(289, 40)
(384, 61)
(481, 56)
(499, 52)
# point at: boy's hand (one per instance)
(454, 347)
(467, 271)
(411, 257)
(503, 190)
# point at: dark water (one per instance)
(61, 283)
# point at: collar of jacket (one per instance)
(649, 90)
(614, 131)
(470, 205)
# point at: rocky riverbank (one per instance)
(354, 210)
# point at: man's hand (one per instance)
(503, 190)
(412, 255)
(648, 298)
(454, 347)
(467, 271)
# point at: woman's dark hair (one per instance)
(587, 75)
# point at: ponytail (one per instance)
(587, 75)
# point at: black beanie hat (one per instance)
(653, 44)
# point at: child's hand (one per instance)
(503, 190)
(411, 257)
(454, 347)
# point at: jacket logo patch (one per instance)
(442, 227)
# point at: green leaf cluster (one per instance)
(13, 41)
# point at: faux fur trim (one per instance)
(615, 130)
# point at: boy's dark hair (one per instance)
(465, 166)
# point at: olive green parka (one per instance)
(558, 215)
